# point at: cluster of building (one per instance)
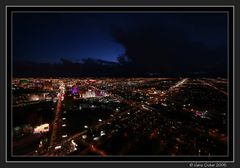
(156, 116)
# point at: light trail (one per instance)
(179, 84)
(56, 120)
(208, 84)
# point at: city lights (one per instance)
(169, 111)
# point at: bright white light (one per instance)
(96, 138)
(85, 126)
(64, 136)
(41, 128)
(84, 136)
(64, 125)
(102, 133)
(100, 120)
(58, 147)
(74, 143)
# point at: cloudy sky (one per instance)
(152, 42)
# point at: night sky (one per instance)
(119, 43)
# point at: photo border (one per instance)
(231, 80)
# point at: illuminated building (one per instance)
(47, 85)
(41, 129)
(75, 90)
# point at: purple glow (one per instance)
(75, 90)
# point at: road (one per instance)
(209, 84)
(57, 121)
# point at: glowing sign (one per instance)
(75, 90)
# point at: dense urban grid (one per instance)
(120, 116)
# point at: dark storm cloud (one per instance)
(176, 43)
